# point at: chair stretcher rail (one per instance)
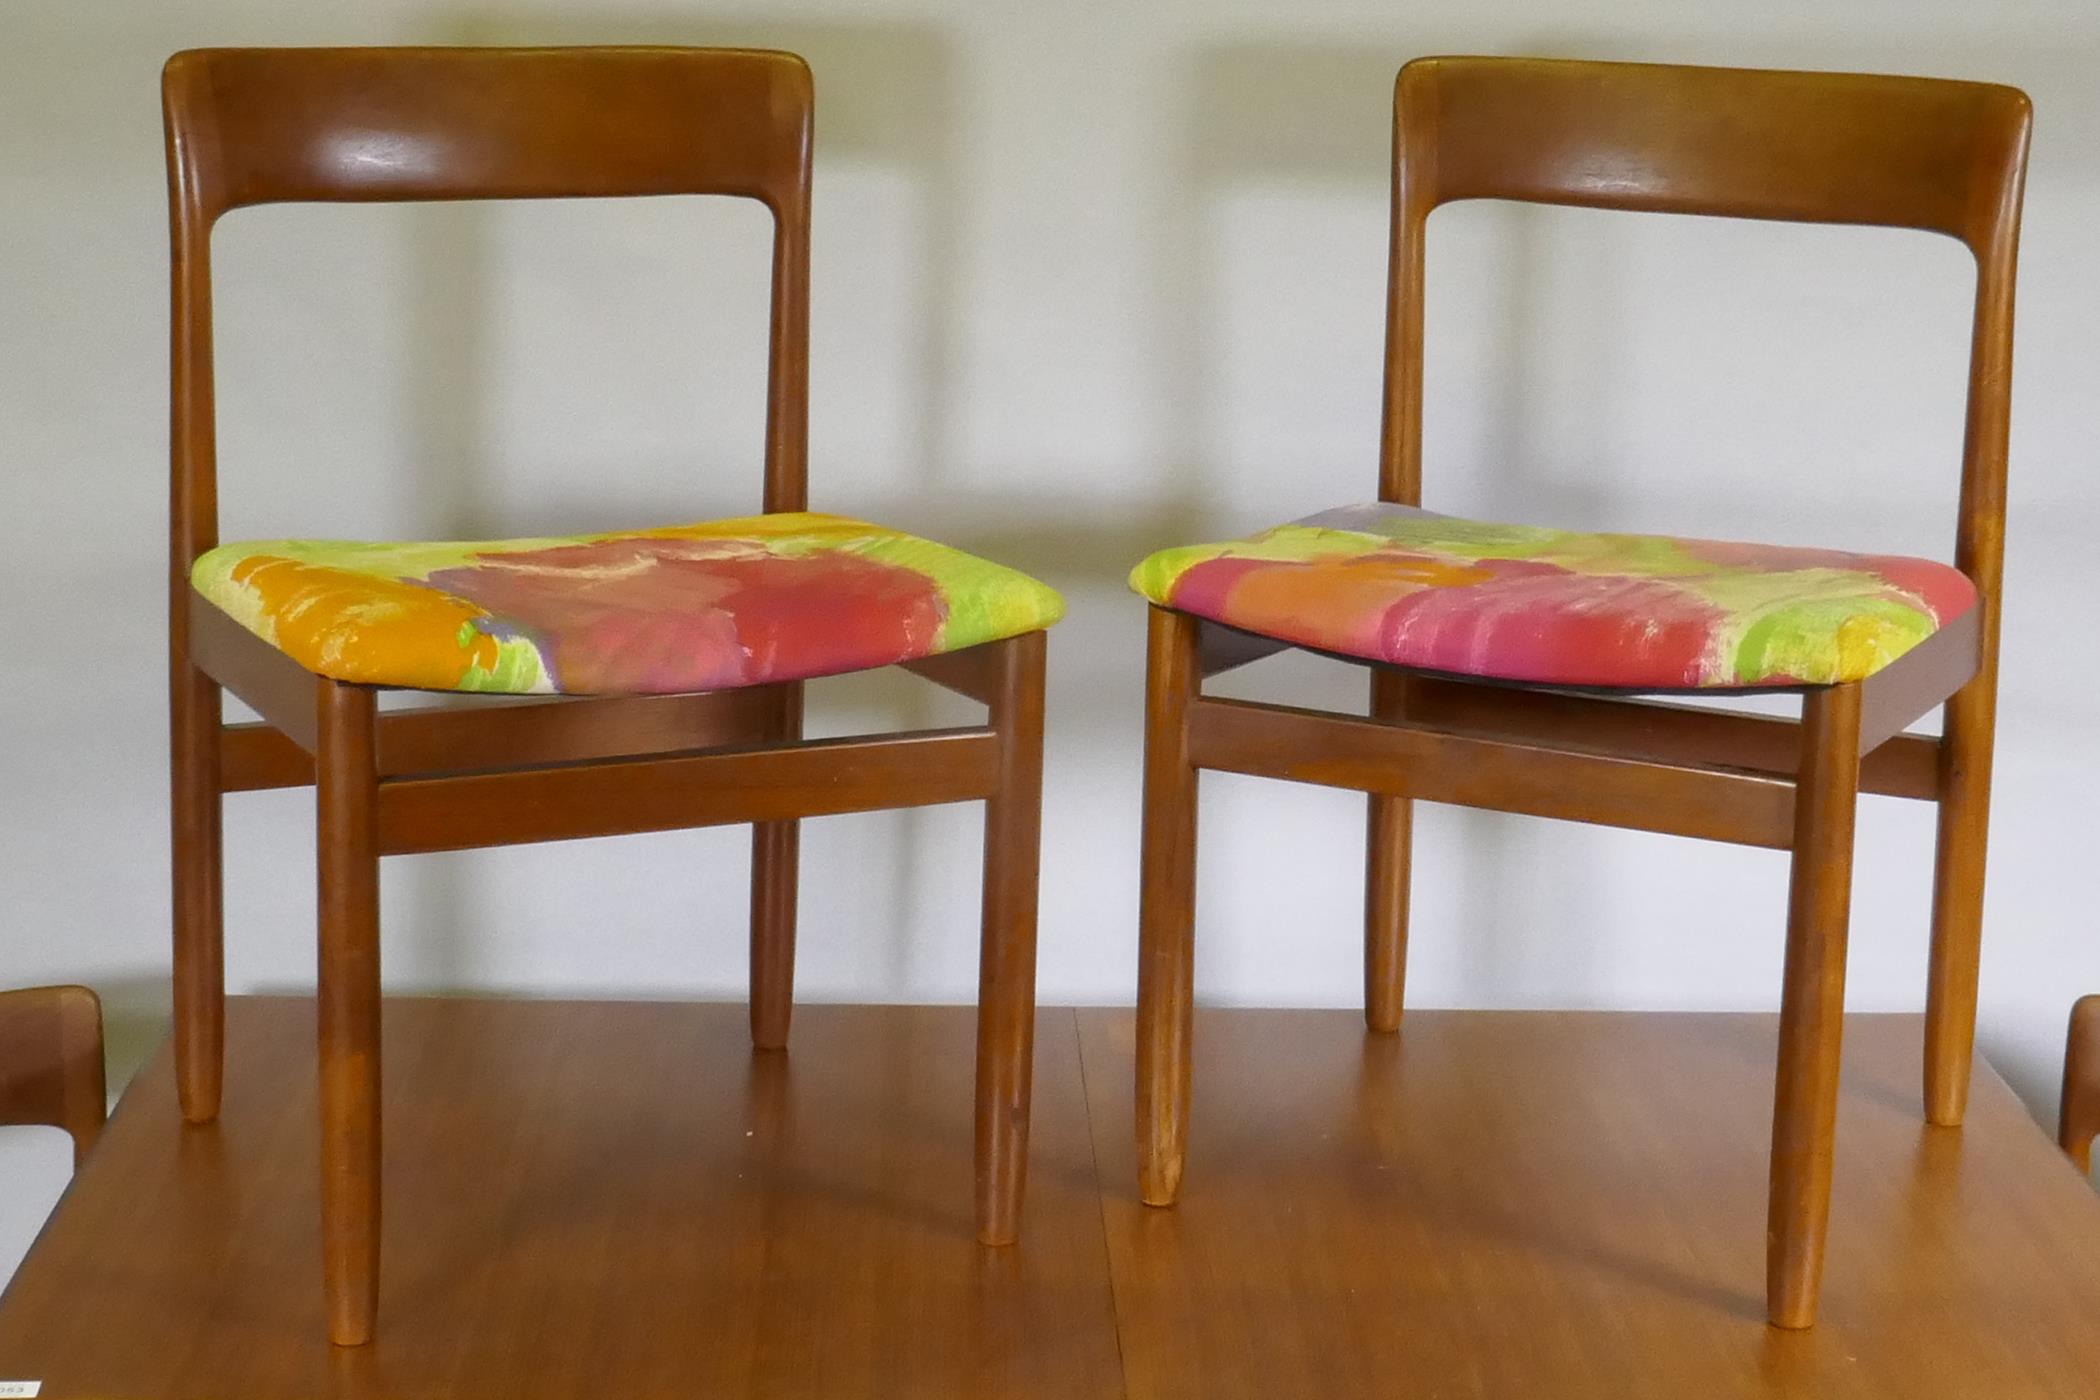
(810, 778)
(1439, 765)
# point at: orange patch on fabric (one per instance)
(1358, 587)
(398, 629)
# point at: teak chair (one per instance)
(640, 625)
(51, 1071)
(2078, 1114)
(1503, 658)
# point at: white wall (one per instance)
(1089, 279)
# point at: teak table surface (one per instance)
(598, 1199)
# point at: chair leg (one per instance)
(1167, 909)
(1006, 962)
(346, 807)
(199, 965)
(1957, 901)
(1812, 1008)
(1389, 838)
(2078, 1119)
(775, 868)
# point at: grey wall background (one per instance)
(1089, 278)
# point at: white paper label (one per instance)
(20, 1390)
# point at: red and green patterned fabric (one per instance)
(1560, 607)
(689, 607)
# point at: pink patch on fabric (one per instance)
(1544, 624)
(1947, 593)
(1203, 587)
(668, 615)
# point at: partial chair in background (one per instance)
(690, 642)
(1504, 659)
(51, 1069)
(2078, 1115)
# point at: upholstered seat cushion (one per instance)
(689, 607)
(1559, 607)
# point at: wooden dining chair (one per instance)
(2078, 1113)
(51, 1073)
(683, 647)
(1504, 658)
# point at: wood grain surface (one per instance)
(624, 1199)
(583, 1199)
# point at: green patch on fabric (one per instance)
(1819, 641)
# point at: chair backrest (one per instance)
(51, 1071)
(1949, 157)
(261, 126)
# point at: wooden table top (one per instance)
(592, 1199)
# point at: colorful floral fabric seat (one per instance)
(688, 607)
(1406, 586)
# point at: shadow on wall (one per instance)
(889, 94)
(1323, 114)
(2057, 75)
(884, 94)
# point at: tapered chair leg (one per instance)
(1812, 1008)
(1957, 900)
(199, 963)
(1167, 909)
(1006, 962)
(775, 870)
(346, 805)
(1388, 843)
(2078, 1118)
